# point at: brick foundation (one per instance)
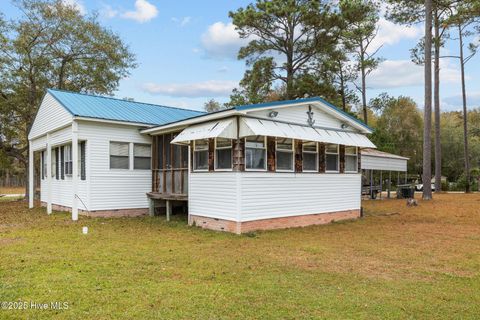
(274, 223)
(102, 213)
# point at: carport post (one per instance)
(398, 178)
(389, 183)
(371, 183)
(381, 183)
(405, 177)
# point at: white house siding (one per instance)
(298, 114)
(50, 116)
(214, 195)
(274, 195)
(113, 189)
(381, 163)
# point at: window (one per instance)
(331, 154)
(54, 162)
(351, 162)
(119, 155)
(285, 155)
(141, 156)
(255, 153)
(223, 153)
(310, 156)
(200, 155)
(68, 160)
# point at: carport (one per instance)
(373, 160)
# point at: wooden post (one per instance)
(406, 177)
(359, 160)
(74, 170)
(49, 175)
(169, 209)
(398, 178)
(151, 207)
(211, 154)
(31, 183)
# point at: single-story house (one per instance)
(272, 165)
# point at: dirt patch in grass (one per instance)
(423, 262)
(12, 190)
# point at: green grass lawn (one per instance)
(420, 263)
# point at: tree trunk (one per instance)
(427, 142)
(465, 125)
(364, 86)
(342, 87)
(436, 97)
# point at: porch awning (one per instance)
(225, 128)
(260, 127)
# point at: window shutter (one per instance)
(57, 163)
(62, 161)
(82, 161)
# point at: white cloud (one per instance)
(77, 4)
(390, 33)
(209, 88)
(404, 73)
(456, 102)
(182, 21)
(108, 11)
(144, 11)
(222, 41)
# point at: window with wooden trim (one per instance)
(256, 153)
(310, 156)
(223, 154)
(284, 154)
(68, 160)
(119, 155)
(200, 155)
(332, 157)
(351, 159)
(142, 156)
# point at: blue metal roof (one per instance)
(90, 106)
(313, 99)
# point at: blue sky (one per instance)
(186, 52)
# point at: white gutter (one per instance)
(183, 123)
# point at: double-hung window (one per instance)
(142, 155)
(119, 155)
(200, 155)
(331, 155)
(256, 153)
(223, 154)
(68, 160)
(285, 154)
(310, 156)
(351, 159)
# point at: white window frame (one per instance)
(130, 151)
(310, 152)
(142, 144)
(67, 158)
(44, 164)
(338, 159)
(351, 155)
(265, 152)
(194, 161)
(223, 148)
(285, 151)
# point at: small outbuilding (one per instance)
(272, 165)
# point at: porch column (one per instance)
(74, 170)
(31, 178)
(49, 175)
